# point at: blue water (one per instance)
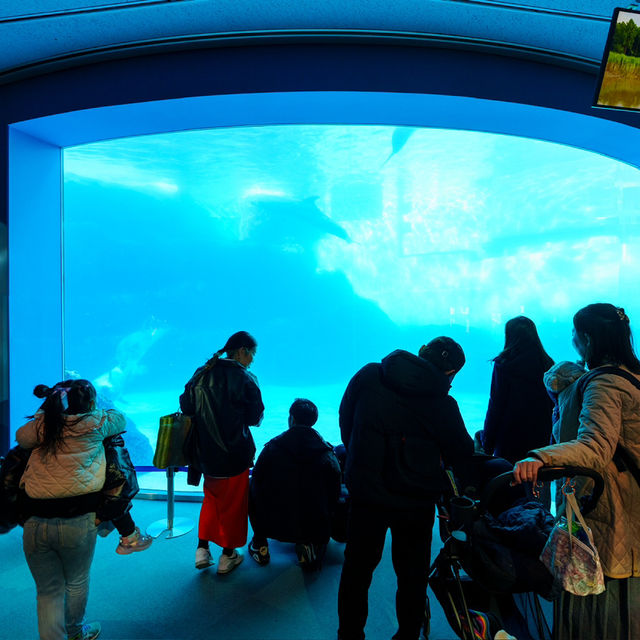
(333, 245)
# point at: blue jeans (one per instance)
(59, 552)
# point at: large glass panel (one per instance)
(333, 245)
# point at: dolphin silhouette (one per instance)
(399, 138)
(279, 217)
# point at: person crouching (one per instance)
(294, 490)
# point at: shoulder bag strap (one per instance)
(572, 506)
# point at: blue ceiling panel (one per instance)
(37, 30)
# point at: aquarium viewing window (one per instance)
(332, 243)
(618, 84)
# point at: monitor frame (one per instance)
(605, 58)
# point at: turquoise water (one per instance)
(333, 245)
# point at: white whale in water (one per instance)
(129, 355)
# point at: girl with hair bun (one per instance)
(608, 440)
(63, 481)
(224, 400)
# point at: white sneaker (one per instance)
(226, 564)
(203, 558)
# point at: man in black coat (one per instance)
(295, 486)
(398, 424)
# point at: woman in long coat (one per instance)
(608, 435)
(519, 414)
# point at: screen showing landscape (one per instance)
(333, 246)
(619, 81)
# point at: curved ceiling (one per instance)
(34, 31)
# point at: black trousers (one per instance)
(410, 554)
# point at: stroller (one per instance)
(488, 577)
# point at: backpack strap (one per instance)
(621, 457)
(584, 380)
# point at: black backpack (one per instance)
(11, 496)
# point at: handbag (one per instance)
(571, 555)
(172, 435)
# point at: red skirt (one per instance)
(225, 511)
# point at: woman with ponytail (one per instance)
(63, 480)
(224, 400)
(608, 440)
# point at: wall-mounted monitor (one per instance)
(619, 80)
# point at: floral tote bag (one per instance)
(571, 555)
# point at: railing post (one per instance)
(174, 526)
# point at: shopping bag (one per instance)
(172, 434)
(571, 555)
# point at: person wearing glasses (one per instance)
(224, 400)
(397, 422)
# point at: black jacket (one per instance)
(519, 414)
(121, 482)
(223, 400)
(295, 487)
(397, 422)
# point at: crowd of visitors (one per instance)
(400, 430)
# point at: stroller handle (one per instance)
(547, 474)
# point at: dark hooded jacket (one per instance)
(519, 416)
(295, 486)
(398, 423)
(223, 399)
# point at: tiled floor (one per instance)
(158, 594)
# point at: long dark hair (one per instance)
(520, 334)
(239, 340)
(609, 336)
(66, 398)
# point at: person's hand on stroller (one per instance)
(526, 470)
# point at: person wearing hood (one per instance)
(519, 414)
(295, 486)
(567, 400)
(398, 424)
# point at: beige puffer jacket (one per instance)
(610, 415)
(78, 467)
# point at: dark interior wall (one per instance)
(282, 67)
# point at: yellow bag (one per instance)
(172, 434)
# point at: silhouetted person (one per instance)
(519, 414)
(295, 486)
(397, 421)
